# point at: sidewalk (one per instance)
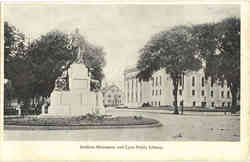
(144, 110)
(193, 113)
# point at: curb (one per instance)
(78, 127)
(149, 111)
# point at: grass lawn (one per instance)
(80, 121)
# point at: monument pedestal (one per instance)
(72, 103)
(79, 100)
(99, 109)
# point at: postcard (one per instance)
(124, 80)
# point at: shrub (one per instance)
(137, 117)
(100, 117)
(94, 116)
(90, 116)
(146, 105)
(235, 109)
(10, 111)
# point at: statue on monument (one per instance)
(62, 82)
(79, 58)
(76, 42)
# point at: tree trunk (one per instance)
(175, 84)
(175, 102)
(234, 91)
(33, 101)
(25, 106)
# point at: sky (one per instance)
(122, 30)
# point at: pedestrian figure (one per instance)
(19, 110)
(226, 110)
(45, 107)
(182, 106)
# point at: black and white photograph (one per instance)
(122, 72)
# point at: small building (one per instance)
(112, 96)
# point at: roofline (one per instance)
(129, 70)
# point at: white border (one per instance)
(1, 78)
(61, 150)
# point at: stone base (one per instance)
(134, 105)
(69, 103)
(70, 110)
(76, 103)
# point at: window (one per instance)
(180, 92)
(228, 104)
(222, 94)
(152, 92)
(202, 93)
(132, 96)
(212, 82)
(155, 103)
(193, 81)
(160, 80)
(132, 84)
(202, 81)
(203, 104)
(156, 82)
(159, 103)
(212, 93)
(223, 104)
(140, 95)
(156, 92)
(228, 94)
(109, 96)
(194, 103)
(180, 103)
(222, 84)
(212, 104)
(193, 92)
(152, 82)
(160, 91)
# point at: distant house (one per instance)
(112, 96)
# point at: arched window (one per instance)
(193, 81)
(202, 82)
